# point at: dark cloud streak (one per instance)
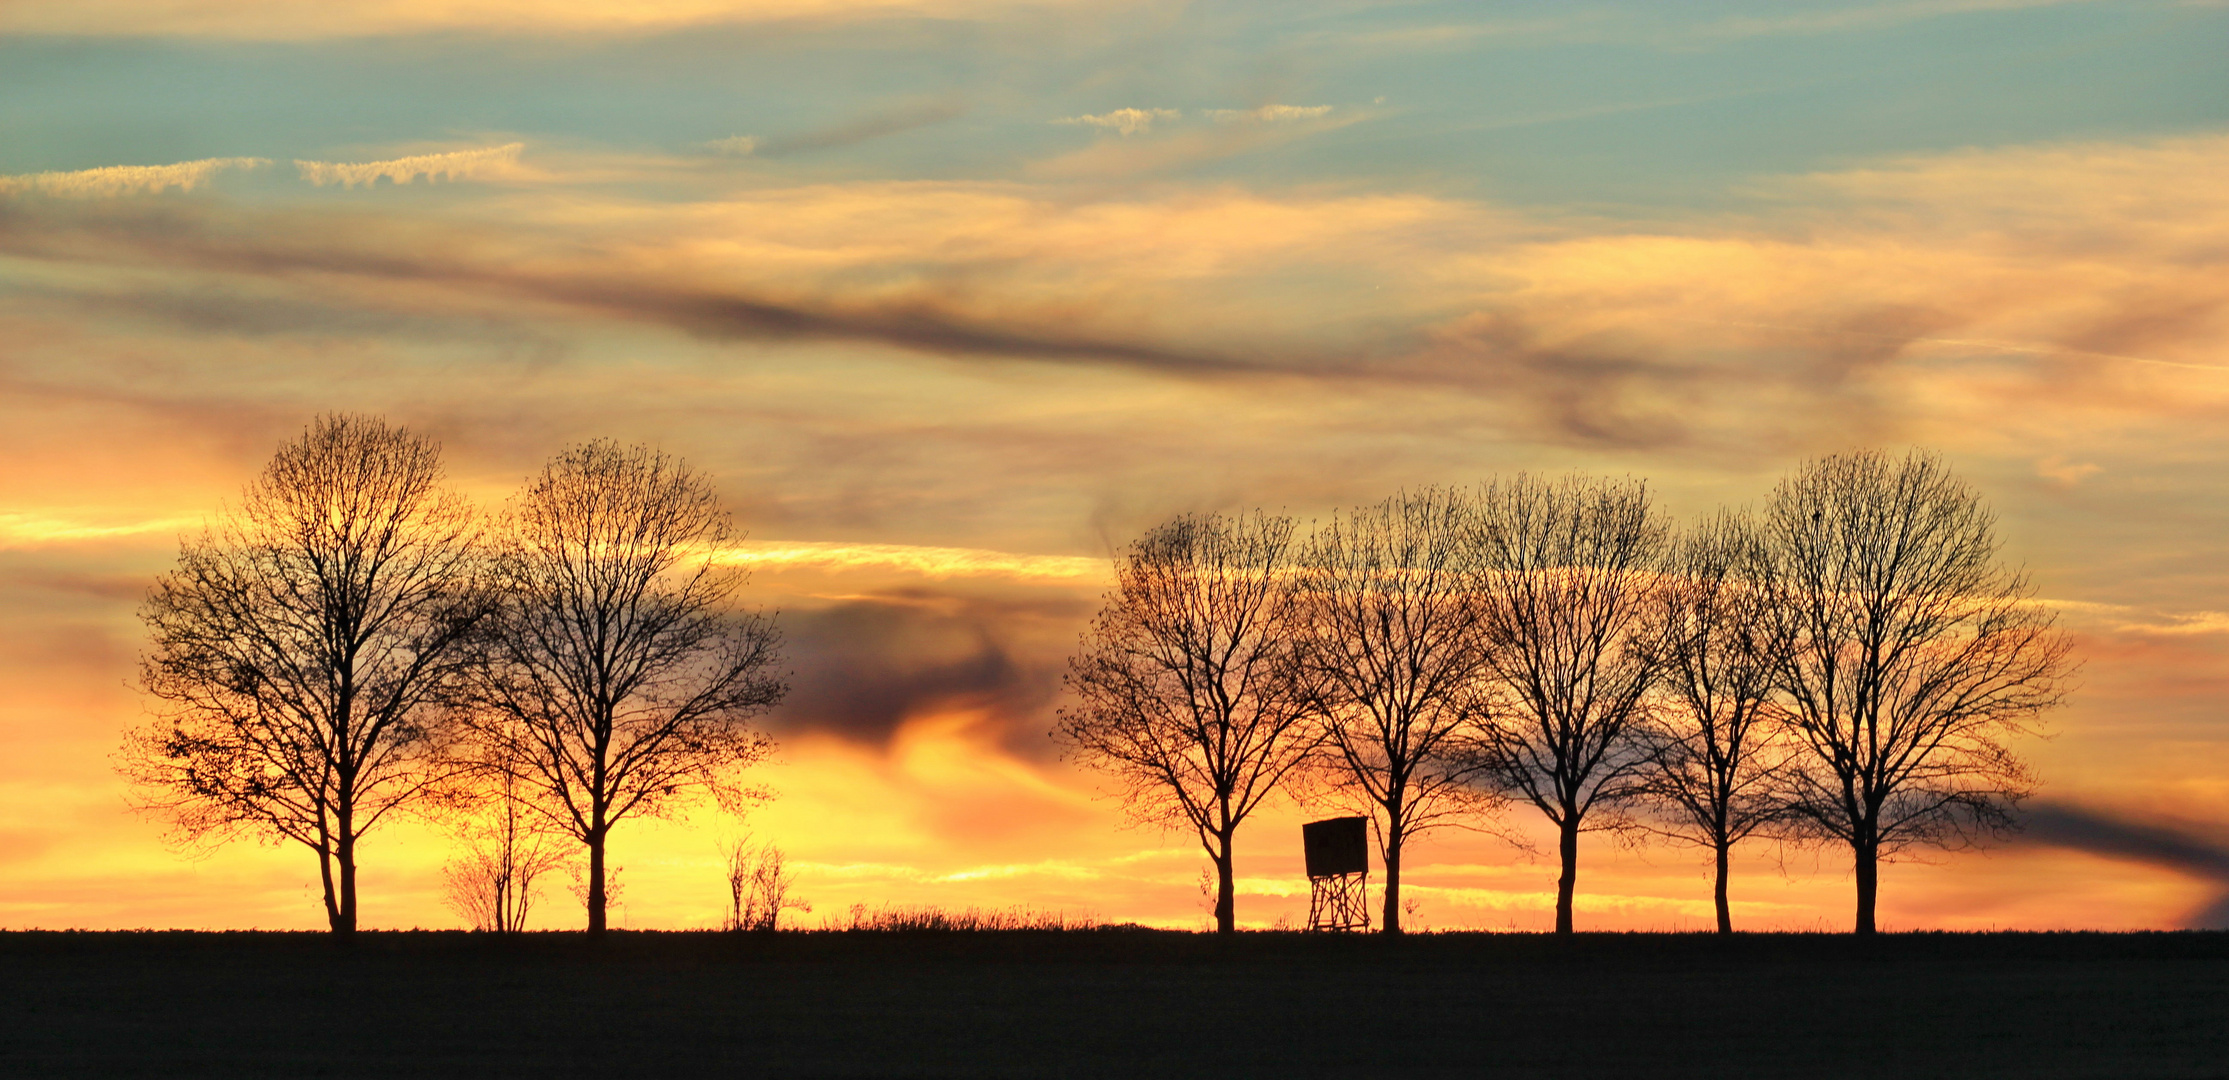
(871, 126)
(2170, 847)
(863, 668)
(170, 238)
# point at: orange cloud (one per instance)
(1096, 360)
(929, 562)
(1884, 302)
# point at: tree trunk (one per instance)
(1226, 899)
(1868, 873)
(345, 924)
(1392, 923)
(596, 883)
(1725, 914)
(325, 878)
(1567, 844)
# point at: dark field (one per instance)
(1114, 1003)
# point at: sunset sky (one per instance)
(955, 297)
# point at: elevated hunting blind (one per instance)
(1338, 856)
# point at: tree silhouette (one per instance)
(300, 649)
(1566, 576)
(615, 677)
(1912, 656)
(1395, 645)
(507, 848)
(759, 883)
(1716, 753)
(1187, 689)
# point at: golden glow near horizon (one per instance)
(928, 562)
(955, 297)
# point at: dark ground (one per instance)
(1115, 1003)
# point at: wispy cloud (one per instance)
(503, 268)
(33, 530)
(283, 20)
(1126, 121)
(738, 145)
(1855, 306)
(933, 562)
(1233, 132)
(871, 125)
(1864, 17)
(2145, 621)
(1270, 114)
(454, 165)
(115, 180)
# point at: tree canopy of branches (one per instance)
(1394, 646)
(1715, 751)
(1187, 689)
(1913, 656)
(617, 670)
(300, 648)
(1566, 577)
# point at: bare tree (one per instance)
(1567, 574)
(1914, 655)
(1715, 754)
(617, 674)
(1186, 686)
(507, 848)
(300, 648)
(1395, 644)
(759, 885)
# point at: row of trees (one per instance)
(354, 640)
(1844, 665)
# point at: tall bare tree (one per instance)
(1187, 689)
(1914, 656)
(618, 674)
(1567, 575)
(1395, 645)
(301, 646)
(1715, 752)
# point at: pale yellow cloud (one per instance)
(1865, 16)
(290, 20)
(116, 180)
(483, 163)
(931, 562)
(1125, 121)
(35, 530)
(1270, 114)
